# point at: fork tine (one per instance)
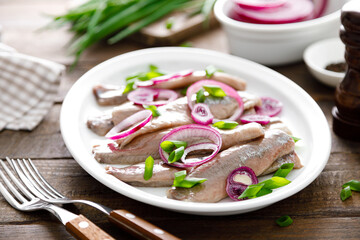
(16, 181)
(44, 181)
(10, 199)
(27, 180)
(40, 184)
(20, 198)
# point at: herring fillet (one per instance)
(101, 124)
(163, 174)
(148, 144)
(258, 155)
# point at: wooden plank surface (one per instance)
(317, 210)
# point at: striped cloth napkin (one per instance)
(28, 87)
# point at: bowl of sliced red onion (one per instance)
(276, 32)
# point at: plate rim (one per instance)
(188, 207)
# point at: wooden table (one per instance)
(317, 211)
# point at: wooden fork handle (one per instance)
(138, 227)
(83, 229)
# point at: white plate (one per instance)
(300, 112)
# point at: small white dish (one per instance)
(277, 44)
(320, 54)
(301, 113)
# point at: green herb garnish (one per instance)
(295, 139)
(265, 187)
(214, 91)
(210, 70)
(149, 165)
(251, 191)
(176, 154)
(353, 184)
(345, 193)
(153, 109)
(284, 170)
(181, 180)
(183, 91)
(169, 23)
(200, 96)
(284, 221)
(225, 124)
(129, 86)
(186, 44)
(169, 146)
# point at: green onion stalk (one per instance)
(115, 20)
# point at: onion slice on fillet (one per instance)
(140, 119)
(148, 96)
(201, 114)
(193, 132)
(152, 82)
(269, 107)
(238, 180)
(226, 88)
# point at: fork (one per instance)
(37, 184)
(79, 226)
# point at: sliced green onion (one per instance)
(345, 193)
(284, 170)
(129, 86)
(251, 191)
(132, 76)
(284, 221)
(183, 91)
(263, 191)
(275, 182)
(295, 139)
(153, 68)
(149, 165)
(225, 124)
(153, 109)
(200, 96)
(168, 146)
(181, 181)
(210, 70)
(353, 184)
(169, 23)
(176, 155)
(214, 91)
(186, 44)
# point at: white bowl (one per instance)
(318, 55)
(277, 44)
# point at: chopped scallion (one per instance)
(153, 109)
(345, 193)
(186, 44)
(295, 139)
(149, 165)
(251, 191)
(129, 86)
(183, 91)
(168, 146)
(275, 182)
(225, 125)
(210, 70)
(353, 184)
(181, 181)
(169, 23)
(284, 170)
(176, 154)
(214, 91)
(284, 221)
(200, 96)
(263, 191)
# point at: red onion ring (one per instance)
(190, 132)
(143, 117)
(261, 119)
(227, 89)
(146, 96)
(201, 114)
(164, 78)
